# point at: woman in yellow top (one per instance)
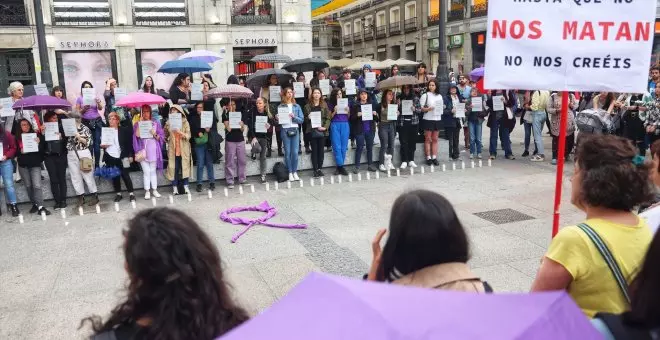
(608, 181)
(179, 154)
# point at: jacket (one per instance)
(186, 152)
(125, 134)
(252, 124)
(555, 114)
(30, 159)
(298, 116)
(355, 121)
(325, 118)
(416, 108)
(450, 276)
(8, 145)
(539, 100)
(448, 117)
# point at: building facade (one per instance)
(326, 38)
(129, 39)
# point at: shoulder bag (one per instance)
(609, 259)
(86, 163)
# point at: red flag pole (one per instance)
(565, 98)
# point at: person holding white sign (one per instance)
(9, 149)
(501, 124)
(148, 152)
(235, 158)
(317, 119)
(364, 131)
(260, 124)
(109, 96)
(92, 118)
(119, 154)
(29, 165)
(55, 159)
(339, 128)
(201, 124)
(389, 113)
(272, 107)
(432, 102)
(179, 154)
(408, 125)
(453, 124)
(290, 134)
(475, 121)
(79, 159)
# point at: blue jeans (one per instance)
(386, 132)
(204, 159)
(528, 136)
(339, 133)
(7, 173)
(291, 145)
(537, 125)
(178, 168)
(496, 128)
(362, 139)
(475, 136)
(96, 144)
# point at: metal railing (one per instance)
(93, 13)
(253, 19)
(480, 10)
(395, 28)
(348, 39)
(368, 33)
(150, 13)
(456, 14)
(410, 24)
(433, 19)
(13, 13)
(357, 36)
(381, 31)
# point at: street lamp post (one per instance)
(46, 76)
(442, 73)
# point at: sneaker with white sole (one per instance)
(147, 195)
(291, 177)
(186, 189)
(412, 164)
(295, 176)
(471, 156)
(479, 156)
(537, 158)
(156, 193)
(382, 167)
(175, 190)
(404, 165)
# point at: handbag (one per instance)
(140, 155)
(292, 132)
(609, 259)
(86, 163)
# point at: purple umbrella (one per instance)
(324, 307)
(477, 73)
(38, 103)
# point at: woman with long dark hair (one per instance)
(258, 140)
(9, 149)
(55, 160)
(180, 89)
(290, 134)
(432, 103)
(387, 130)
(319, 133)
(339, 130)
(363, 130)
(177, 288)
(29, 166)
(452, 124)
(408, 126)
(272, 107)
(120, 154)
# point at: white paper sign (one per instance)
(391, 111)
(283, 116)
(2, 151)
(407, 107)
(460, 110)
(30, 143)
(120, 93)
(477, 104)
(367, 112)
(438, 108)
(234, 120)
(196, 91)
(41, 90)
(69, 127)
(350, 87)
(370, 79)
(89, 96)
(144, 129)
(176, 121)
(206, 119)
(569, 45)
(498, 104)
(52, 131)
(108, 136)
(299, 89)
(260, 124)
(324, 85)
(274, 92)
(342, 106)
(315, 117)
(7, 110)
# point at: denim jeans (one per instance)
(7, 173)
(386, 132)
(475, 136)
(537, 125)
(96, 145)
(178, 172)
(496, 128)
(528, 135)
(204, 160)
(291, 145)
(362, 139)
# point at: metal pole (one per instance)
(46, 77)
(560, 161)
(442, 73)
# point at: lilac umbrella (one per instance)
(202, 55)
(38, 103)
(477, 73)
(230, 91)
(137, 99)
(324, 307)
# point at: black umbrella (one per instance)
(306, 65)
(258, 79)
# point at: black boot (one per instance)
(14, 210)
(94, 201)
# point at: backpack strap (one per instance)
(609, 259)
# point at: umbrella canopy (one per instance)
(305, 65)
(259, 77)
(375, 65)
(324, 307)
(230, 91)
(184, 66)
(42, 103)
(272, 58)
(477, 73)
(344, 62)
(202, 55)
(137, 99)
(405, 62)
(396, 81)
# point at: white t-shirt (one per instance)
(431, 100)
(652, 217)
(114, 150)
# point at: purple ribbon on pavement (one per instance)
(263, 207)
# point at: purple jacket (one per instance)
(138, 143)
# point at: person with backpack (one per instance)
(554, 111)
(427, 246)
(596, 260)
(538, 106)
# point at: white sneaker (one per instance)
(382, 167)
(156, 193)
(479, 156)
(295, 176)
(186, 189)
(471, 156)
(390, 165)
(404, 165)
(175, 190)
(147, 195)
(291, 177)
(412, 164)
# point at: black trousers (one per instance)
(570, 141)
(452, 136)
(278, 137)
(56, 167)
(125, 174)
(408, 139)
(317, 152)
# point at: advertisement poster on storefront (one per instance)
(152, 60)
(76, 67)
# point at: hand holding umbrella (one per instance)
(377, 255)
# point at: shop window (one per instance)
(252, 12)
(160, 13)
(81, 13)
